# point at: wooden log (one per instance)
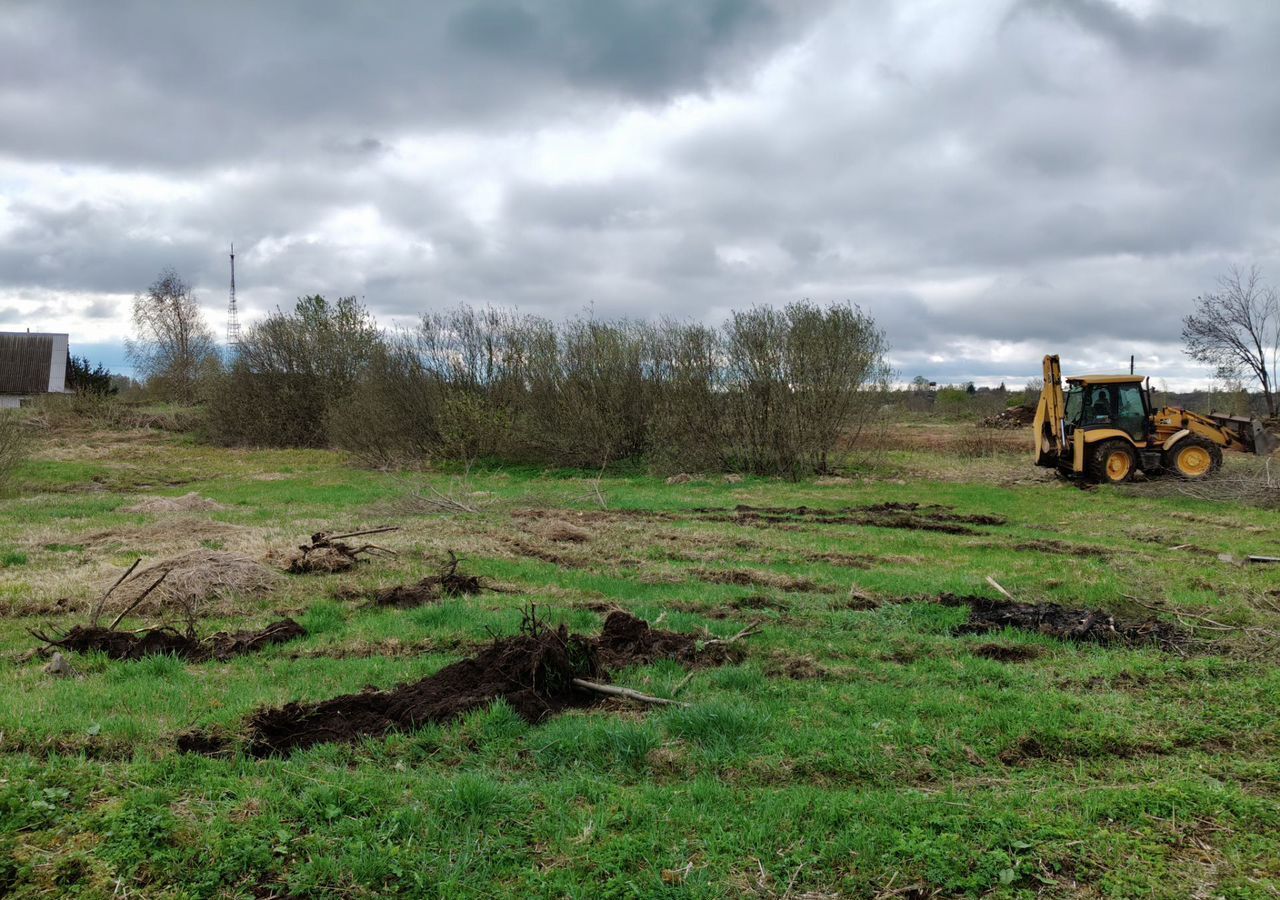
(612, 690)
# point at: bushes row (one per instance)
(770, 391)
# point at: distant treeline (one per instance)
(769, 391)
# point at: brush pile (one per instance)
(1011, 419)
(327, 553)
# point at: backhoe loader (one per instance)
(1106, 428)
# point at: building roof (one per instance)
(25, 363)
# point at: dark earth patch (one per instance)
(448, 582)
(1007, 652)
(532, 671)
(1090, 626)
(882, 515)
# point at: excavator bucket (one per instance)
(1251, 432)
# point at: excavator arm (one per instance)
(1050, 427)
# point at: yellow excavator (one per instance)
(1106, 428)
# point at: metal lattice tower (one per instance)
(233, 319)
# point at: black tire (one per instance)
(1194, 447)
(1112, 462)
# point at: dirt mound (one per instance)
(1012, 418)
(186, 503)
(195, 578)
(1090, 626)
(327, 553)
(627, 641)
(883, 515)
(532, 671)
(448, 582)
(158, 641)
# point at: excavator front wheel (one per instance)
(1193, 458)
(1112, 462)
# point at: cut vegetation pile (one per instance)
(883, 515)
(327, 553)
(1067, 623)
(127, 645)
(193, 579)
(1012, 418)
(533, 671)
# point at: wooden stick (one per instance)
(683, 681)
(349, 534)
(143, 596)
(995, 584)
(613, 690)
(753, 628)
(97, 609)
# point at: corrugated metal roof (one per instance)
(24, 363)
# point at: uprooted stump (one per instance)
(327, 553)
(534, 672)
(1083, 625)
(129, 645)
(448, 582)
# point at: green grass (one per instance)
(909, 759)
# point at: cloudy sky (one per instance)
(992, 179)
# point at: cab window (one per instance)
(1075, 405)
(1131, 413)
(1099, 404)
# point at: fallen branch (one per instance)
(612, 690)
(101, 604)
(681, 686)
(753, 628)
(350, 534)
(137, 600)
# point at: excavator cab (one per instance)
(1107, 428)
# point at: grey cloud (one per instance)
(1161, 37)
(191, 83)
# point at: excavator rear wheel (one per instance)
(1112, 462)
(1193, 458)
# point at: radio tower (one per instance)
(233, 320)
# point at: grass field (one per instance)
(861, 749)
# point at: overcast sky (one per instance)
(991, 180)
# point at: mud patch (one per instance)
(1067, 623)
(912, 516)
(846, 560)
(757, 578)
(1062, 548)
(532, 671)
(1007, 652)
(758, 601)
(448, 582)
(797, 668)
(531, 551)
(127, 645)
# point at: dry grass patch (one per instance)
(195, 580)
(186, 503)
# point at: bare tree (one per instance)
(173, 349)
(1237, 330)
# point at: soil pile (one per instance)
(128, 645)
(532, 671)
(1011, 419)
(1089, 626)
(627, 641)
